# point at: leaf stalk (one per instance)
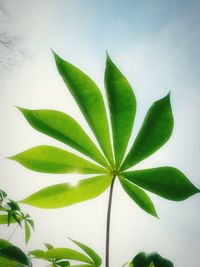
(108, 221)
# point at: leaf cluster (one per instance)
(11, 213)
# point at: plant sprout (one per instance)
(111, 161)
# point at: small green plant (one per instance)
(111, 162)
(143, 259)
(11, 213)
(60, 257)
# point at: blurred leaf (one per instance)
(27, 232)
(62, 195)
(38, 253)
(31, 222)
(4, 219)
(154, 133)
(122, 104)
(139, 196)
(90, 252)
(4, 243)
(15, 254)
(48, 246)
(65, 129)
(51, 159)
(150, 260)
(66, 253)
(166, 182)
(63, 263)
(90, 101)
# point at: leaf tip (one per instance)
(108, 59)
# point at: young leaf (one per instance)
(90, 252)
(65, 129)
(62, 195)
(38, 253)
(154, 133)
(66, 253)
(139, 196)
(90, 101)
(31, 222)
(166, 182)
(122, 104)
(51, 159)
(48, 246)
(27, 232)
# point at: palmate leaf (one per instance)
(138, 196)
(155, 132)
(166, 182)
(90, 101)
(49, 159)
(62, 195)
(90, 252)
(65, 129)
(122, 104)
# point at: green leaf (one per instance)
(65, 129)
(62, 195)
(143, 259)
(166, 182)
(4, 262)
(31, 222)
(27, 232)
(15, 254)
(38, 253)
(139, 196)
(49, 159)
(154, 133)
(90, 252)
(66, 253)
(122, 104)
(48, 246)
(62, 263)
(4, 243)
(90, 101)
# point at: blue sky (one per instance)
(156, 45)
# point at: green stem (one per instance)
(108, 222)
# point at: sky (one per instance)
(156, 46)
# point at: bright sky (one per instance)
(156, 46)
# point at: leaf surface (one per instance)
(62, 195)
(154, 133)
(166, 182)
(49, 159)
(65, 129)
(90, 101)
(122, 104)
(138, 196)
